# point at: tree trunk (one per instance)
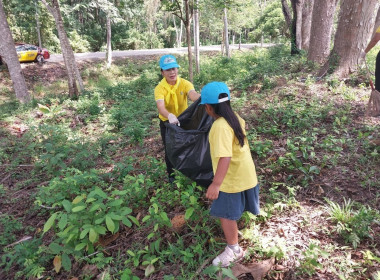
(307, 12)
(73, 73)
(354, 28)
(109, 47)
(296, 26)
(10, 57)
(377, 21)
(226, 43)
(196, 37)
(299, 8)
(188, 37)
(286, 12)
(321, 27)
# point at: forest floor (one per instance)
(329, 155)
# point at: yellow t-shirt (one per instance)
(378, 30)
(241, 173)
(182, 91)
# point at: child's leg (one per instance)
(233, 252)
(230, 230)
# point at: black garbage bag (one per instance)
(187, 146)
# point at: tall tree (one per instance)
(226, 39)
(287, 14)
(296, 39)
(185, 14)
(321, 27)
(73, 73)
(307, 12)
(196, 36)
(354, 29)
(9, 54)
(377, 21)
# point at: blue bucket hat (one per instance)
(210, 93)
(168, 61)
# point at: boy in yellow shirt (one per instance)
(171, 99)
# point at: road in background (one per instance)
(100, 55)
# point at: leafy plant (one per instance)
(213, 270)
(83, 220)
(9, 225)
(31, 256)
(353, 225)
(311, 262)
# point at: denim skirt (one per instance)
(231, 206)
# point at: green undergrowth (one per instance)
(91, 170)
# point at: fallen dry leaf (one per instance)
(57, 263)
(178, 221)
(89, 270)
(257, 270)
(105, 241)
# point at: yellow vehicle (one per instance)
(29, 53)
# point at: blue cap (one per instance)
(210, 93)
(168, 61)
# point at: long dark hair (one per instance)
(224, 110)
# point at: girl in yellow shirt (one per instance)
(234, 188)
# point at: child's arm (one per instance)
(221, 171)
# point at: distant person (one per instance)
(371, 44)
(235, 187)
(171, 99)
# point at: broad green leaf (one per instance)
(150, 235)
(79, 208)
(130, 253)
(110, 224)
(93, 235)
(189, 212)
(211, 270)
(193, 199)
(134, 220)
(113, 216)
(53, 160)
(100, 193)
(77, 199)
(99, 221)
(70, 237)
(154, 260)
(63, 221)
(126, 222)
(146, 218)
(145, 263)
(80, 246)
(100, 229)
(66, 262)
(90, 200)
(67, 205)
(117, 202)
(50, 222)
(149, 270)
(164, 216)
(125, 211)
(94, 207)
(314, 169)
(84, 233)
(55, 248)
(228, 272)
(44, 109)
